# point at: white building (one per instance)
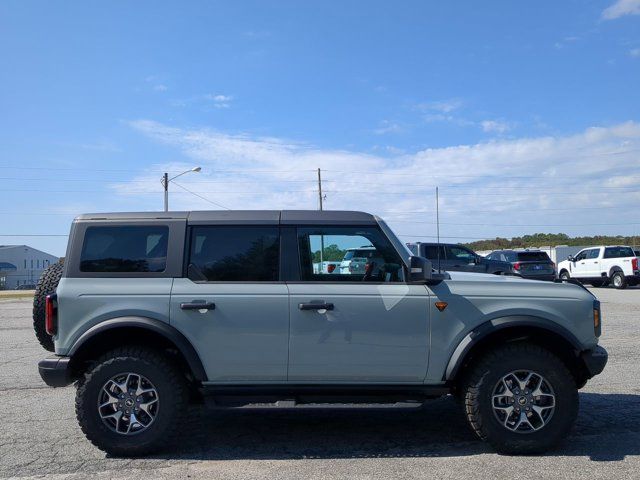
(22, 265)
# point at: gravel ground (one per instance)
(39, 436)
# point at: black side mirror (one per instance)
(419, 269)
(571, 258)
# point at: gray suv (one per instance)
(153, 310)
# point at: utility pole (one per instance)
(165, 184)
(320, 188)
(321, 236)
(438, 226)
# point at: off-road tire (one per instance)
(46, 286)
(618, 276)
(477, 390)
(173, 394)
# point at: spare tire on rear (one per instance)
(46, 286)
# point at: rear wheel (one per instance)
(46, 286)
(132, 402)
(521, 399)
(618, 280)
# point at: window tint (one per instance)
(533, 257)
(124, 249)
(362, 254)
(431, 252)
(593, 253)
(618, 252)
(459, 254)
(234, 254)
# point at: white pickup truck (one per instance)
(600, 266)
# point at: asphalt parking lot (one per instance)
(39, 436)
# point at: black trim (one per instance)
(595, 360)
(482, 331)
(289, 266)
(55, 371)
(304, 393)
(156, 326)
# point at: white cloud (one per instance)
(482, 185)
(160, 88)
(386, 127)
(621, 8)
(443, 106)
(634, 52)
(219, 100)
(495, 126)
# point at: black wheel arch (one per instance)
(615, 269)
(542, 331)
(129, 330)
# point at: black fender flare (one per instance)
(475, 336)
(159, 327)
(615, 269)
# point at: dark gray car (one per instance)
(456, 258)
(531, 264)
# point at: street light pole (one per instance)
(165, 183)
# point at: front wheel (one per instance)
(131, 403)
(564, 275)
(521, 399)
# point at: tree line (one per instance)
(553, 239)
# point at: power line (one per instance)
(200, 196)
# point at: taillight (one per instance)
(516, 266)
(51, 314)
(634, 263)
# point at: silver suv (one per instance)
(153, 309)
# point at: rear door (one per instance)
(356, 327)
(232, 305)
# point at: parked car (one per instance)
(456, 258)
(356, 259)
(530, 264)
(153, 308)
(614, 264)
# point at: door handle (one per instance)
(315, 306)
(198, 306)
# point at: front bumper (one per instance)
(595, 360)
(55, 371)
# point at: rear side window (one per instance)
(533, 257)
(618, 252)
(431, 252)
(234, 254)
(124, 249)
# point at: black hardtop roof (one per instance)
(243, 217)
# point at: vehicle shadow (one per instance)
(607, 429)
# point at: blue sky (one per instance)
(525, 114)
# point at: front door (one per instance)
(364, 326)
(459, 259)
(232, 308)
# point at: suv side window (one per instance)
(234, 254)
(321, 247)
(124, 249)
